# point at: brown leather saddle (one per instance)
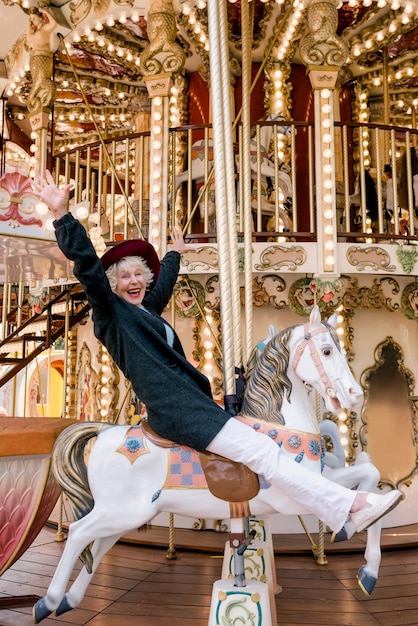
(227, 480)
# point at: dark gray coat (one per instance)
(177, 396)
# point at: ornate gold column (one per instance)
(324, 53)
(161, 58)
(41, 97)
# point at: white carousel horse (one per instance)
(266, 156)
(202, 163)
(362, 475)
(129, 480)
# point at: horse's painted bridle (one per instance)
(308, 341)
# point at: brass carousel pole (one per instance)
(386, 106)
(247, 20)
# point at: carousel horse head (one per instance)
(308, 356)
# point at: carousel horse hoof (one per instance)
(365, 581)
(380, 505)
(40, 611)
(63, 606)
(341, 535)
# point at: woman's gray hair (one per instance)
(128, 263)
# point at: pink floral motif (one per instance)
(17, 186)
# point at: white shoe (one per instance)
(379, 506)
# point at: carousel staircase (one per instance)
(60, 315)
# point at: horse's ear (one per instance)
(315, 316)
(332, 320)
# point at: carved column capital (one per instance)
(321, 45)
(163, 54)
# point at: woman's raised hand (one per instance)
(177, 240)
(48, 192)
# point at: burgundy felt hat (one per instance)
(133, 247)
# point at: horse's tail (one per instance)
(70, 470)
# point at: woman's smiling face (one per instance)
(131, 284)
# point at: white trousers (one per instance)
(331, 503)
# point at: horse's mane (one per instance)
(267, 380)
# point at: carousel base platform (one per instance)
(214, 542)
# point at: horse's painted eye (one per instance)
(326, 351)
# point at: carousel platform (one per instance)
(137, 585)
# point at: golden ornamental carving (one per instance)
(321, 45)
(265, 290)
(79, 11)
(379, 295)
(276, 257)
(163, 53)
(40, 28)
(204, 258)
(43, 91)
(373, 297)
(374, 257)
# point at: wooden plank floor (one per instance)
(136, 585)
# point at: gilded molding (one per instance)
(374, 257)
(205, 258)
(276, 257)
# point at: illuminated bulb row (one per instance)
(364, 116)
(209, 367)
(289, 34)
(395, 74)
(375, 40)
(277, 95)
(174, 111)
(16, 80)
(16, 153)
(199, 30)
(340, 329)
(157, 156)
(105, 384)
(327, 178)
(72, 116)
(117, 50)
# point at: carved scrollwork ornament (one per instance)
(265, 289)
(371, 297)
(321, 45)
(163, 53)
